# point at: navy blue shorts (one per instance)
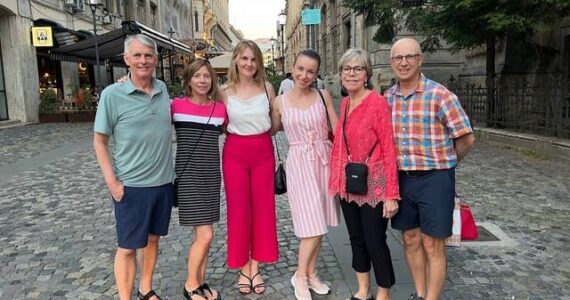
(143, 211)
(428, 199)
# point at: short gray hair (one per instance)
(143, 39)
(360, 56)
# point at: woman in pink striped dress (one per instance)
(303, 115)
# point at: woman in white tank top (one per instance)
(248, 167)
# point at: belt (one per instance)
(415, 173)
(312, 147)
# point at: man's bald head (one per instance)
(406, 42)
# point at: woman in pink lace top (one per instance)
(366, 119)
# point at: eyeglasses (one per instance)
(357, 70)
(409, 58)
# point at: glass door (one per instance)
(3, 100)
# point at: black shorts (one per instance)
(428, 199)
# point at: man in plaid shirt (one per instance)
(432, 133)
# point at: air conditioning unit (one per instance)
(71, 3)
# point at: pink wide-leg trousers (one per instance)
(248, 166)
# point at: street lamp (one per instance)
(273, 41)
(94, 4)
(170, 62)
(282, 18)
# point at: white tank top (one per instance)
(248, 116)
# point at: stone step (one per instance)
(10, 123)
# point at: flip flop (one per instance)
(207, 288)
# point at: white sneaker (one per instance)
(301, 287)
(318, 286)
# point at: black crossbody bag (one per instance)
(177, 179)
(356, 173)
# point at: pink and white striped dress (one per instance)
(307, 165)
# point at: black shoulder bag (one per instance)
(280, 176)
(356, 173)
(177, 180)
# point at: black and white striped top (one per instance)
(199, 183)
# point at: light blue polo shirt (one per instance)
(140, 126)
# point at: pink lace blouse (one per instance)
(368, 127)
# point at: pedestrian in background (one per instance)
(303, 115)
(248, 166)
(320, 83)
(432, 133)
(364, 135)
(198, 118)
(137, 115)
(286, 84)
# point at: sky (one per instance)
(255, 18)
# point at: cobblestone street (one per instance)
(57, 229)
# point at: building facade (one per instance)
(341, 29)
(213, 34)
(18, 94)
(71, 21)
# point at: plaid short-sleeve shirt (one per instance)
(425, 124)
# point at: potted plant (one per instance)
(49, 108)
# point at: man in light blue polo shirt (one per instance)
(139, 170)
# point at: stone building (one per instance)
(212, 27)
(69, 64)
(341, 29)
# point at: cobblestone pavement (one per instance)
(23, 142)
(527, 198)
(57, 235)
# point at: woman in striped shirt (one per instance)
(198, 119)
(302, 113)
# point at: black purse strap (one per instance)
(326, 108)
(344, 135)
(197, 141)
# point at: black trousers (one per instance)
(367, 231)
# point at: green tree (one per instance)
(464, 23)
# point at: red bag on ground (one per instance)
(468, 225)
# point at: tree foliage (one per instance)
(461, 23)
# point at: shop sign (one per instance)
(42, 37)
(311, 16)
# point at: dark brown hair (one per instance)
(310, 53)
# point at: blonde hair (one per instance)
(189, 72)
(233, 72)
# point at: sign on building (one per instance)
(311, 16)
(42, 37)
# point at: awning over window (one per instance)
(111, 45)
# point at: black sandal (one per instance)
(148, 295)
(205, 287)
(241, 286)
(188, 295)
(259, 285)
